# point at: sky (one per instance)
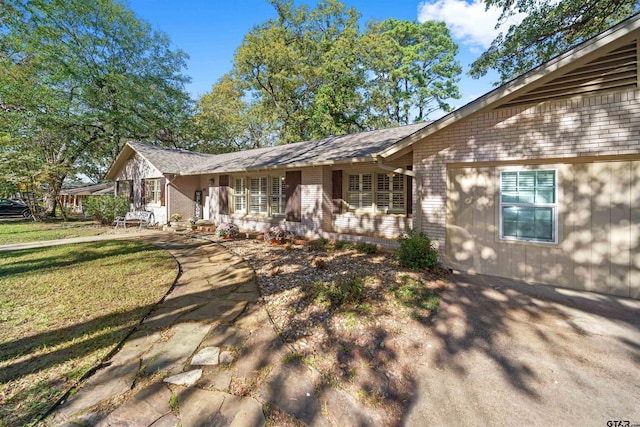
(210, 31)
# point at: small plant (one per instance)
(338, 293)
(227, 229)
(176, 217)
(295, 357)
(275, 233)
(342, 244)
(192, 220)
(416, 251)
(318, 245)
(367, 248)
(412, 293)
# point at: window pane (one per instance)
(383, 182)
(354, 182)
(545, 196)
(398, 182)
(382, 200)
(367, 181)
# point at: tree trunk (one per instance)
(51, 196)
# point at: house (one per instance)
(72, 196)
(538, 180)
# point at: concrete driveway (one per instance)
(505, 353)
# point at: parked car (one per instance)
(13, 208)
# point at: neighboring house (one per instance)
(72, 196)
(538, 180)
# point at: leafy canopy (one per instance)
(550, 28)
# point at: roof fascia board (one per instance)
(370, 159)
(120, 161)
(615, 37)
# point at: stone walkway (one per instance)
(178, 365)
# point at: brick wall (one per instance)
(586, 126)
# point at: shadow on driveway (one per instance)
(503, 352)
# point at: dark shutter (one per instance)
(293, 209)
(224, 195)
(143, 190)
(130, 191)
(409, 193)
(163, 184)
(336, 192)
(118, 188)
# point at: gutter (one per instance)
(401, 171)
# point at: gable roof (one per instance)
(614, 38)
(358, 147)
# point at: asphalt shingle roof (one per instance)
(345, 148)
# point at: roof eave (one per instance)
(576, 57)
(298, 165)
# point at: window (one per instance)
(360, 191)
(152, 191)
(390, 192)
(262, 195)
(258, 197)
(528, 205)
(240, 195)
(278, 197)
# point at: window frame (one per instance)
(150, 191)
(280, 196)
(374, 193)
(266, 198)
(360, 192)
(552, 206)
(391, 192)
(241, 196)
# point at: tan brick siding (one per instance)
(597, 125)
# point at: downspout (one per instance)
(393, 169)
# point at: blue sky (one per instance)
(211, 30)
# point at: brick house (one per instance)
(538, 180)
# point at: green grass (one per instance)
(412, 293)
(62, 309)
(30, 231)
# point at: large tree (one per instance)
(549, 28)
(412, 68)
(310, 73)
(79, 78)
(303, 68)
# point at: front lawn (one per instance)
(63, 308)
(30, 231)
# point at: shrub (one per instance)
(176, 217)
(342, 244)
(105, 208)
(318, 245)
(367, 248)
(416, 251)
(338, 293)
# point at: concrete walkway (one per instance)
(178, 365)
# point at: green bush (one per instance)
(367, 248)
(105, 208)
(343, 244)
(416, 251)
(338, 293)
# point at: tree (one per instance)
(413, 70)
(550, 28)
(302, 68)
(81, 77)
(225, 122)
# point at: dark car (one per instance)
(13, 208)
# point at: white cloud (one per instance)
(470, 24)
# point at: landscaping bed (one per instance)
(358, 319)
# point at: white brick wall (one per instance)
(591, 126)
